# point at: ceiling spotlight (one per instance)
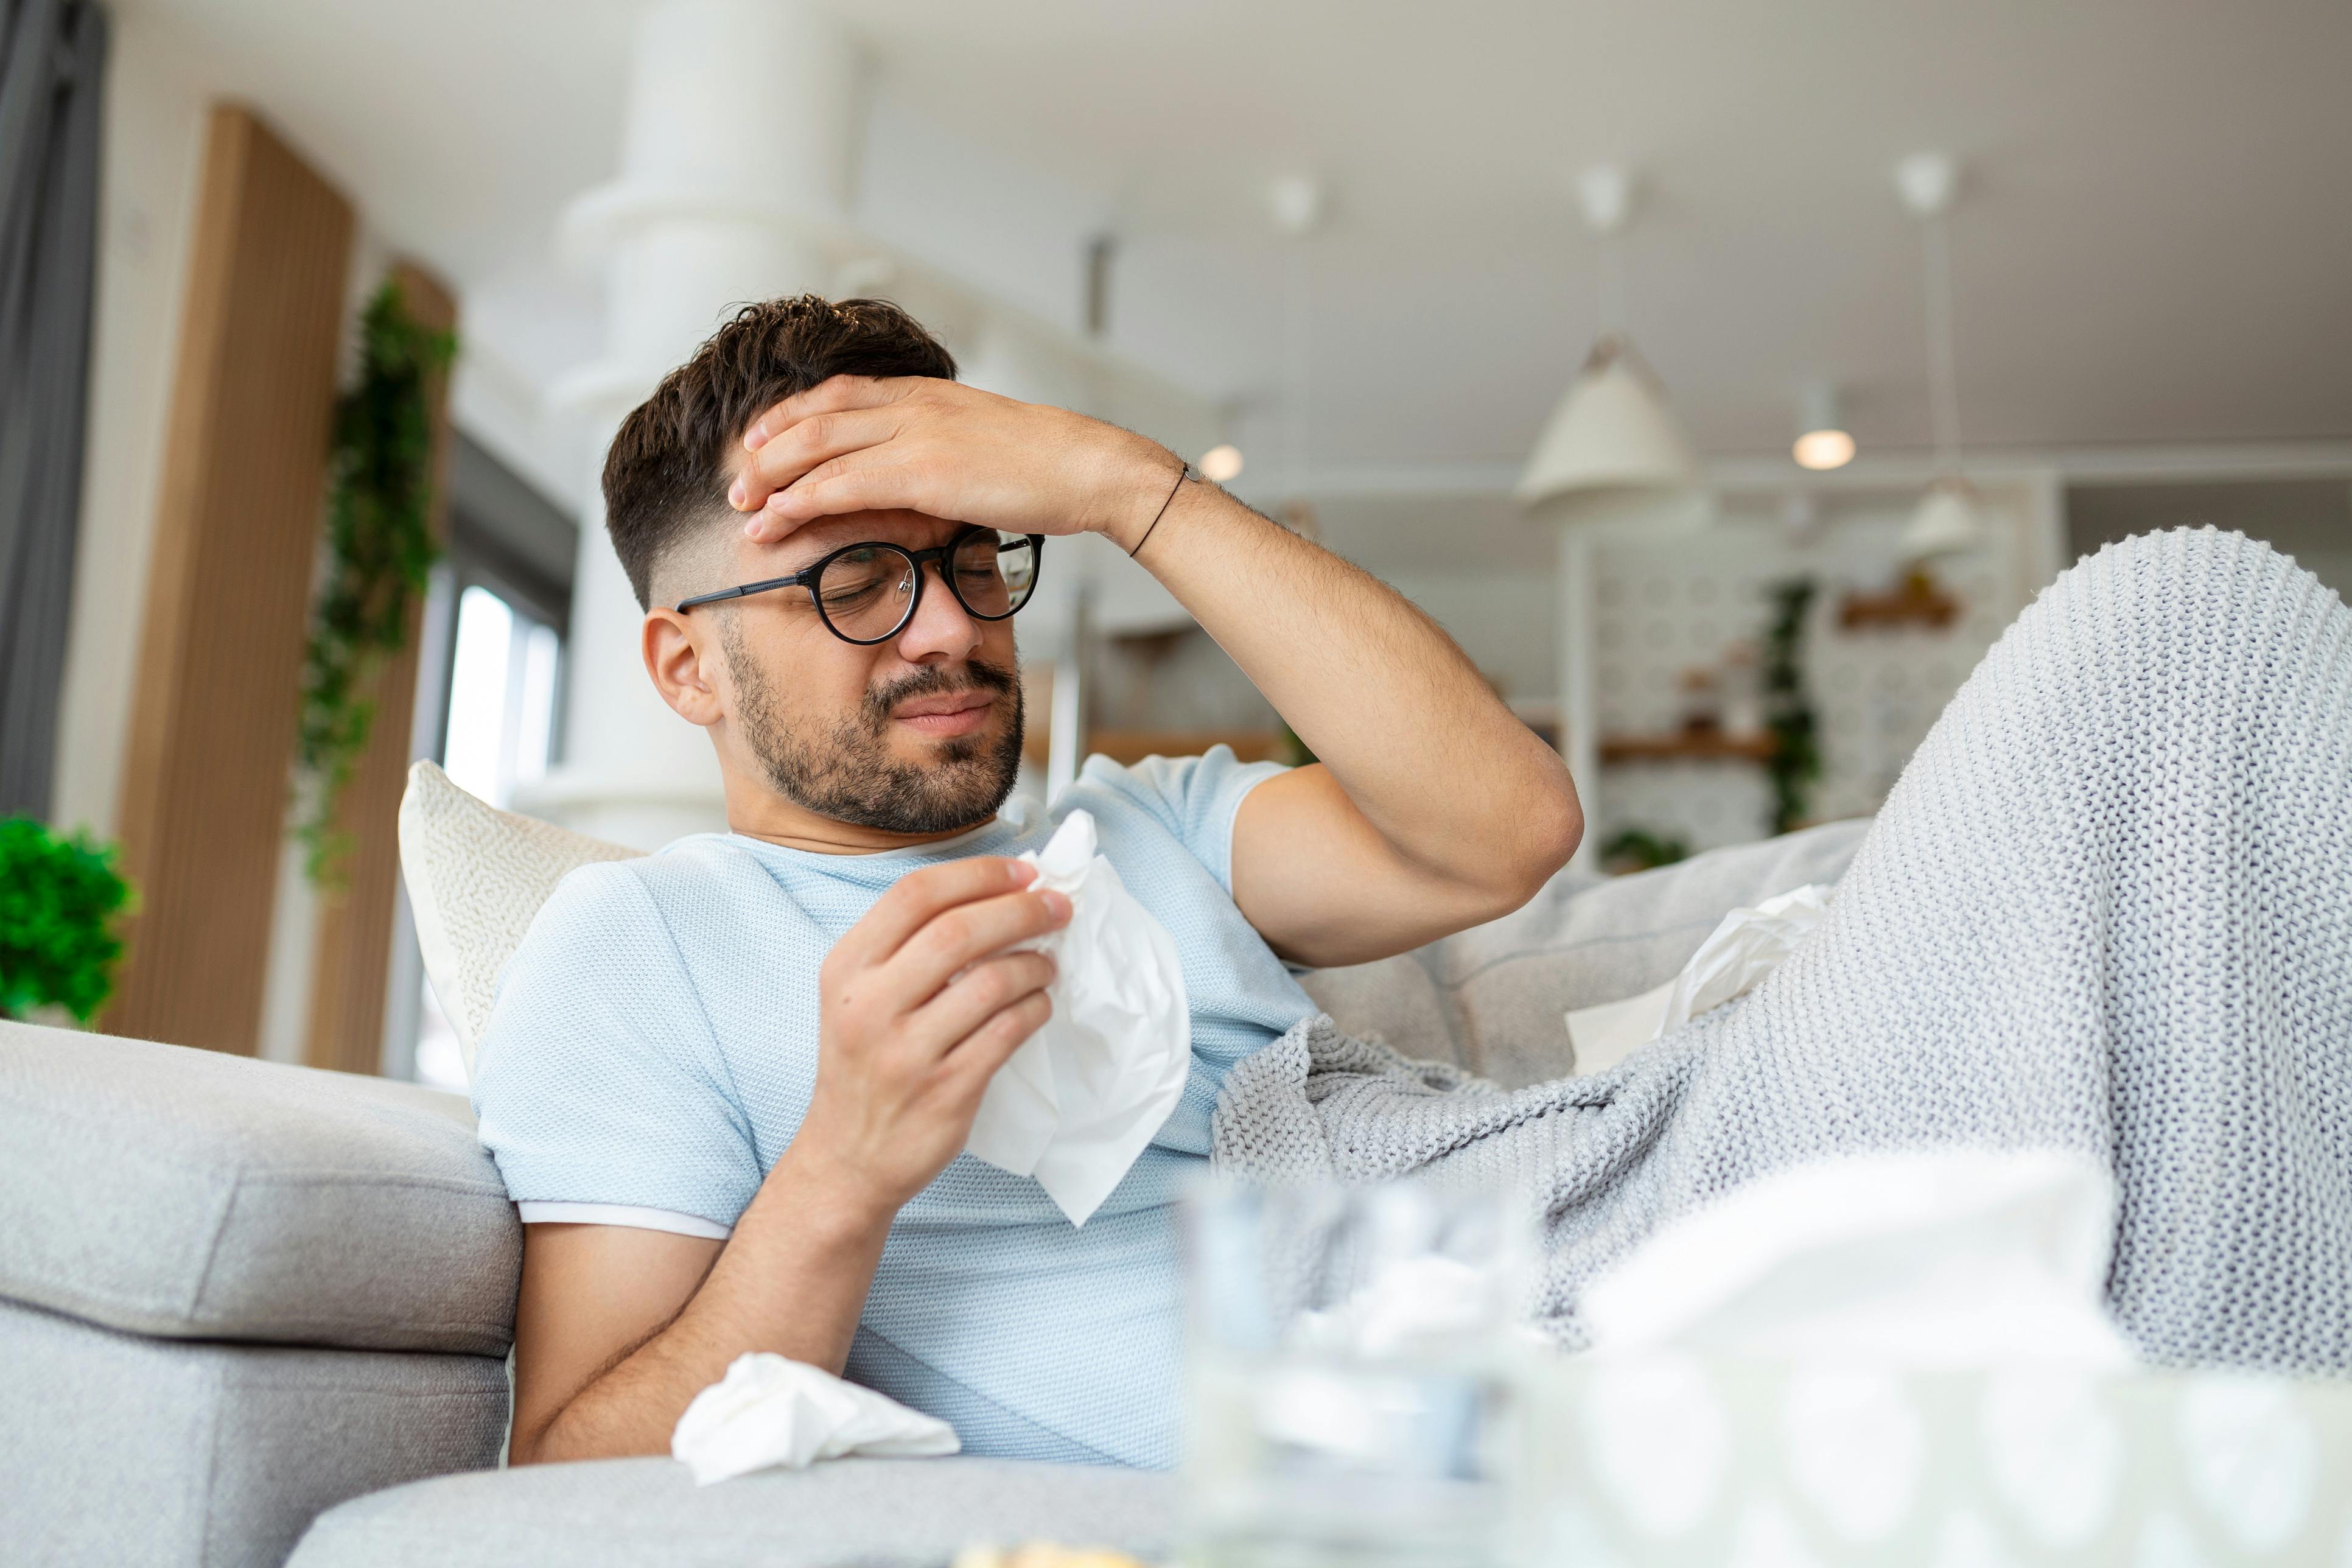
(1297, 202)
(1220, 464)
(1822, 441)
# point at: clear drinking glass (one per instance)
(1349, 1389)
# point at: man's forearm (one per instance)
(793, 1279)
(1423, 748)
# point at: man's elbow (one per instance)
(1555, 827)
(1560, 829)
(1537, 841)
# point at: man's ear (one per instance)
(682, 667)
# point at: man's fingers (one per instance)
(917, 896)
(965, 934)
(828, 396)
(990, 1045)
(803, 444)
(869, 479)
(979, 993)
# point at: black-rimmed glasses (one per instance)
(868, 593)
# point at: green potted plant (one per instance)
(60, 898)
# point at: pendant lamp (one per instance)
(1949, 520)
(1613, 434)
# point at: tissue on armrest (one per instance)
(770, 1412)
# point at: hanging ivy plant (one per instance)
(379, 546)
(1795, 763)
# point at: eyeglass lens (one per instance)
(868, 593)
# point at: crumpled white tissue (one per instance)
(769, 1411)
(1934, 1257)
(1077, 1104)
(1409, 1302)
(1744, 946)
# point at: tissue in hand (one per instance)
(1075, 1105)
(770, 1411)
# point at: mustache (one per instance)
(935, 680)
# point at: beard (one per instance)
(846, 772)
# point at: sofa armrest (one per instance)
(189, 1195)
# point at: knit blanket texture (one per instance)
(2106, 910)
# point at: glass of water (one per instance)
(1348, 1391)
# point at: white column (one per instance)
(723, 196)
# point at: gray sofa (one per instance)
(249, 1310)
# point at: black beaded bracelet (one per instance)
(1182, 474)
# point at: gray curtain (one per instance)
(52, 54)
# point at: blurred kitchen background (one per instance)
(1724, 377)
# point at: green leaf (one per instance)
(380, 551)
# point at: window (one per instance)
(502, 678)
(490, 698)
(505, 670)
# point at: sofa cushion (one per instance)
(195, 1195)
(475, 878)
(1494, 998)
(638, 1512)
(118, 1448)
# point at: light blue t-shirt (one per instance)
(655, 1044)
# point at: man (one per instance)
(729, 1084)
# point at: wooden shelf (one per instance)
(1688, 746)
(1918, 601)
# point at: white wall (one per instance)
(160, 88)
(155, 103)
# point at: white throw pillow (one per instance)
(475, 878)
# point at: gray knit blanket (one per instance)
(2108, 908)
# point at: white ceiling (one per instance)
(2154, 244)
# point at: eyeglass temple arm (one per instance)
(740, 591)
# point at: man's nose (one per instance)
(941, 628)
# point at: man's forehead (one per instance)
(806, 543)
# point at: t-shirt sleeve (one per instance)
(598, 1079)
(1197, 797)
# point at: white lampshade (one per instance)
(1614, 431)
(1946, 522)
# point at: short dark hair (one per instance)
(665, 474)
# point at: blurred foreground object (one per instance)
(1349, 1387)
(1726, 1459)
(1941, 1258)
(1044, 1554)
(1906, 1358)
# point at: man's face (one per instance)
(920, 734)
